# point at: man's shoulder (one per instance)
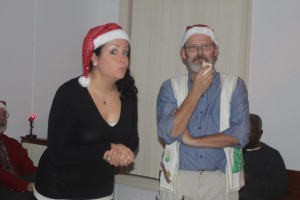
(231, 76)
(167, 86)
(180, 79)
(239, 83)
(180, 76)
(271, 150)
(268, 147)
(5, 138)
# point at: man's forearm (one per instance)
(218, 140)
(183, 114)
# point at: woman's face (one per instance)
(113, 60)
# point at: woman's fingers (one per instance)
(119, 155)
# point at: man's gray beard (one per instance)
(196, 68)
(3, 128)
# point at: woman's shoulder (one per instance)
(73, 82)
(70, 89)
(70, 85)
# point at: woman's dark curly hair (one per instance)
(126, 86)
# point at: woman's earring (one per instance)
(94, 64)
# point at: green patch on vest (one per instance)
(238, 161)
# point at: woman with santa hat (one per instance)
(92, 123)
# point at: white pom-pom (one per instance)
(84, 81)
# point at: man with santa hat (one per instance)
(203, 118)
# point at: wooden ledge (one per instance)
(39, 141)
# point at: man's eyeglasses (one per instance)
(4, 115)
(203, 47)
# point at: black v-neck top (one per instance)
(72, 167)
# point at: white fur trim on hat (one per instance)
(2, 105)
(198, 30)
(109, 36)
(84, 81)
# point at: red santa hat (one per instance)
(198, 29)
(3, 105)
(95, 38)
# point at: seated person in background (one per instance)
(17, 171)
(265, 172)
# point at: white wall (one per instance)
(274, 74)
(16, 61)
(30, 74)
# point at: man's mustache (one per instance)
(199, 57)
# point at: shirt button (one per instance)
(199, 127)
